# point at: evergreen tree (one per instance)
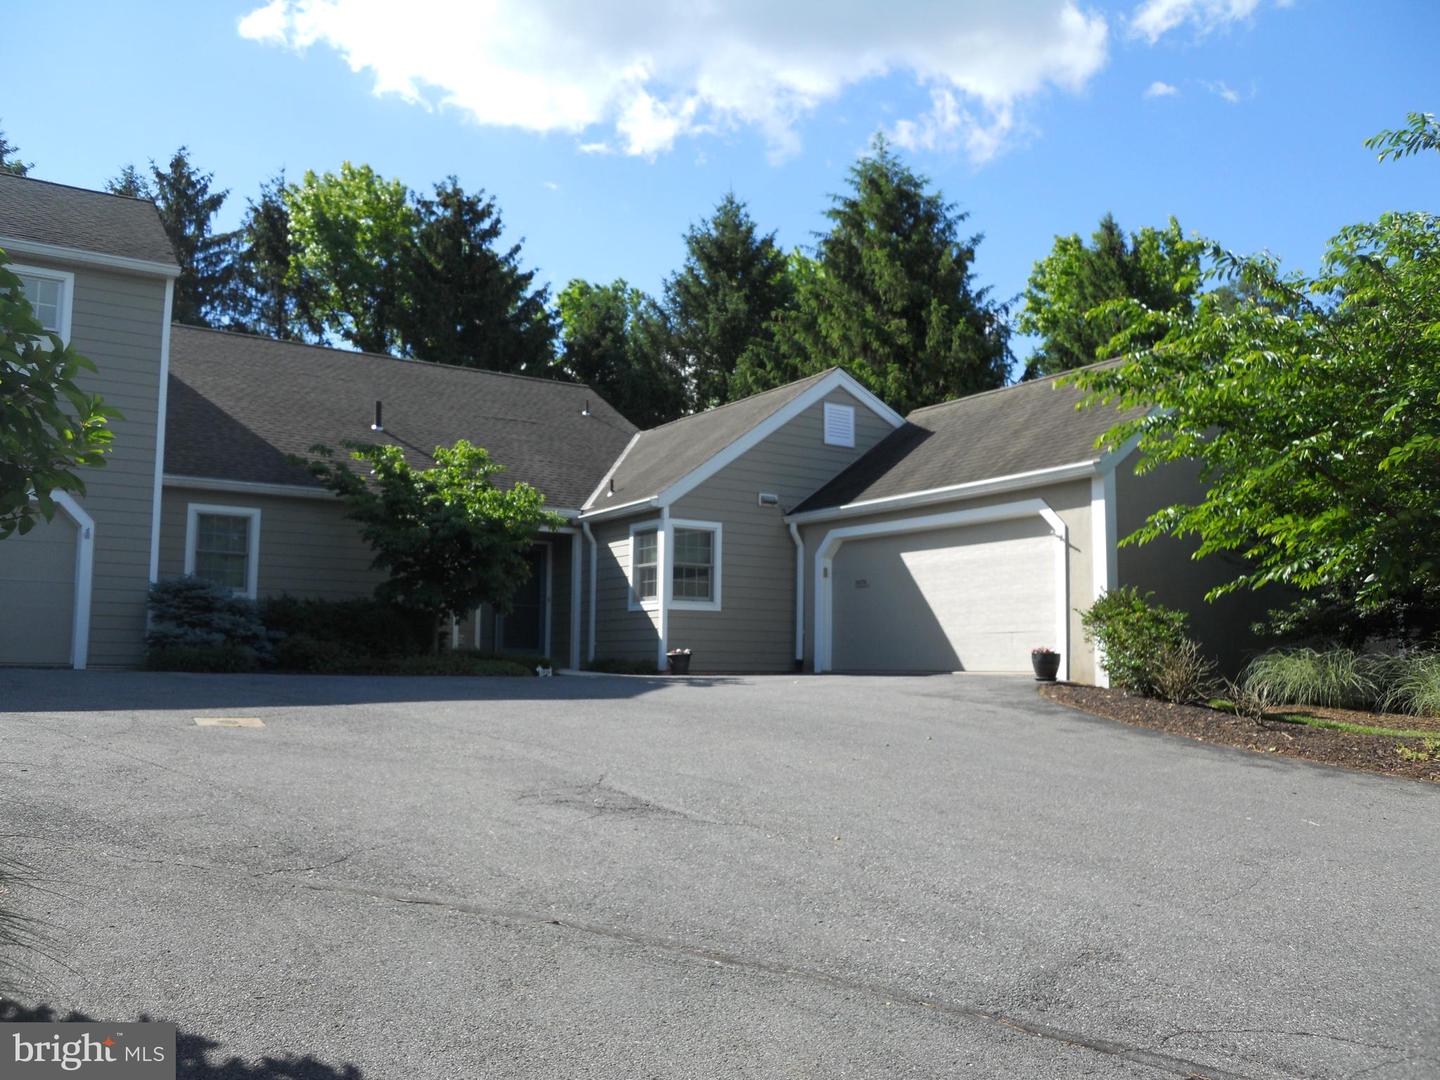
(131, 182)
(1157, 267)
(272, 301)
(187, 205)
(721, 304)
(614, 340)
(469, 302)
(9, 158)
(890, 296)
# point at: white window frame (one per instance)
(633, 601)
(835, 408)
(717, 530)
(67, 294)
(252, 553)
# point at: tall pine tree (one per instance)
(721, 303)
(188, 205)
(272, 300)
(10, 160)
(890, 296)
(131, 182)
(470, 303)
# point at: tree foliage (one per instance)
(10, 161)
(448, 536)
(131, 182)
(271, 300)
(721, 304)
(1313, 408)
(187, 203)
(1159, 268)
(352, 232)
(1420, 133)
(49, 427)
(468, 300)
(890, 296)
(615, 340)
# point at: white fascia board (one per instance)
(624, 508)
(246, 487)
(975, 488)
(610, 472)
(836, 380)
(13, 246)
(162, 405)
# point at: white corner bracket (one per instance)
(84, 576)
(980, 515)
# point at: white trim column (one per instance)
(663, 571)
(575, 593)
(161, 410)
(1104, 571)
(84, 577)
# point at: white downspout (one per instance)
(590, 614)
(799, 596)
(663, 562)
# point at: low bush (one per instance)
(223, 659)
(1334, 678)
(187, 613)
(1183, 674)
(360, 626)
(306, 655)
(612, 666)
(1414, 685)
(1136, 635)
(451, 663)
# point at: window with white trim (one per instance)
(49, 294)
(839, 424)
(222, 546)
(694, 564)
(644, 566)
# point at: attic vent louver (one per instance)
(378, 425)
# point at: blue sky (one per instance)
(604, 134)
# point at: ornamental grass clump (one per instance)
(1329, 678)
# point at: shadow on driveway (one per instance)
(36, 690)
(193, 1052)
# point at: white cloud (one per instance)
(1161, 89)
(637, 77)
(1224, 91)
(1153, 19)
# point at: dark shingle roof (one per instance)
(1016, 429)
(667, 453)
(238, 405)
(72, 217)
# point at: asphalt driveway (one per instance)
(809, 877)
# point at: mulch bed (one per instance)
(1373, 753)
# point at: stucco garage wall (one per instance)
(1069, 500)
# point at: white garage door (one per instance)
(975, 598)
(37, 594)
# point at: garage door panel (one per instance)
(37, 594)
(976, 598)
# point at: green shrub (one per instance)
(1334, 678)
(186, 612)
(362, 625)
(452, 663)
(224, 659)
(1414, 685)
(612, 666)
(1135, 634)
(312, 656)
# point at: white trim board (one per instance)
(245, 487)
(982, 515)
(600, 487)
(161, 411)
(1104, 572)
(836, 380)
(13, 245)
(252, 563)
(84, 577)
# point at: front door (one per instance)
(523, 630)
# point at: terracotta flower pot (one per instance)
(1046, 665)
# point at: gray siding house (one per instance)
(809, 527)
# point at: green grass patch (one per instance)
(1306, 720)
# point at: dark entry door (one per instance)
(523, 630)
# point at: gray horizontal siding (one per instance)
(620, 634)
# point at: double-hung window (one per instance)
(694, 564)
(222, 546)
(49, 294)
(644, 567)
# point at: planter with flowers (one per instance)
(1046, 662)
(679, 661)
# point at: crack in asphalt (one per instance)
(1276, 1031)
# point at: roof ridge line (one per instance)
(740, 401)
(86, 190)
(1011, 386)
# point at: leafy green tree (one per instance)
(49, 427)
(353, 233)
(1157, 267)
(723, 301)
(892, 298)
(272, 300)
(615, 340)
(469, 302)
(9, 158)
(1420, 132)
(448, 536)
(187, 204)
(1313, 409)
(132, 183)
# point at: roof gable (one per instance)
(41, 214)
(239, 405)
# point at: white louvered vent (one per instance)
(839, 425)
